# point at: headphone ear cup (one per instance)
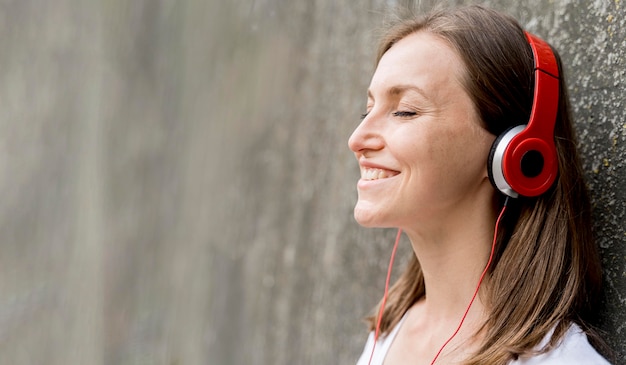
(495, 170)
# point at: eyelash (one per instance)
(400, 114)
(403, 114)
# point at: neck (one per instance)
(452, 257)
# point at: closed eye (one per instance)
(404, 114)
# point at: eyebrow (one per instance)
(399, 89)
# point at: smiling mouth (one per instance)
(369, 174)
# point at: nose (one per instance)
(367, 136)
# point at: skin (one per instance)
(423, 142)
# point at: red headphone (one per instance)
(523, 159)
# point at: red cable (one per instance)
(382, 305)
(482, 276)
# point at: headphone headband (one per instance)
(546, 96)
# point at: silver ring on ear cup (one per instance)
(496, 173)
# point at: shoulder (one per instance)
(573, 349)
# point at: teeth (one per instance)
(375, 174)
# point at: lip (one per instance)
(370, 184)
(368, 164)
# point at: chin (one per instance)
(367, 218)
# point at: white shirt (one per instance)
(574, 349)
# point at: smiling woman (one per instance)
(418, 134)
(478, 290)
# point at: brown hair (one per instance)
(546, 272)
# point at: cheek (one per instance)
(444, 152)
(462, 156)
(472, 154)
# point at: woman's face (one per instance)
(420, 147)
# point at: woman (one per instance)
(446, 85)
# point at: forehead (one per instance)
(423, 60)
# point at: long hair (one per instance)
(546, 272)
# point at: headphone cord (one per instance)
(384, 301)
(482, 276)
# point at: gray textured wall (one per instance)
(176, 186)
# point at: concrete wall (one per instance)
(177, 187)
